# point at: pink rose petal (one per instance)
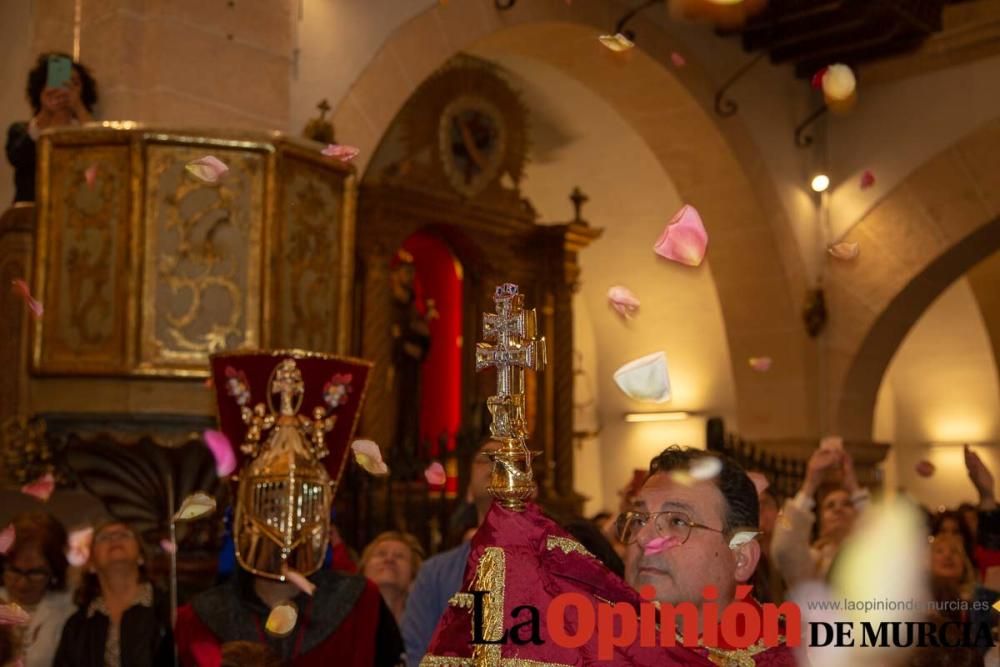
(845, 251)
(817, 79)
(623, 301)
(222, 452)
(90, 176)
(369, 457)
(12, 614)
(300, 581)
(168, 546)
(834, 443)
(208, 169)
(867, 179)
(20, 287)
(209, 383)
(925, 469)
(760, 364)
(341, 152)
(759, 481)
(677, 59)
(41, 488)
(685, 239)
(658, 544)
(7, 536)
(78, 546)
(435, 474)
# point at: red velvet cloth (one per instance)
(535, 573)
(352, 644)
(335, 383)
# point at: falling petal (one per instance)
(222, 452)
(623, 301)
(195, 506)
(209, 383)
(168, 546)
(618, 43)
(645, 379)
(435, 474)
(684, 240)
(925, 469)
(7, 536)
(845, 250)
(682, 477)
(867, 179)
(12, 614)
(208, 169)
(759, 481)
(90, 176)
(341, 152)
(832, 442)
(817, 79)
(705, 468)
(658, 544)
(21, 289)
(369, 457)
(742, 537)
(282, 619)
(78, 546)
(677, 59)
(760, 364)
(41, 488)
(300, 581)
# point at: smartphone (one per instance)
(60, 69)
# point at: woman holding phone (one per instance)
(61, 92)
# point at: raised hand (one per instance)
(820, 461)
(981, 478)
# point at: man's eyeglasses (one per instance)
(35, 576)
(667, 524)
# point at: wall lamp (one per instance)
(674, 416)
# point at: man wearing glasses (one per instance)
(683, 536)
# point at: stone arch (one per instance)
(936, 225)
(753, 257)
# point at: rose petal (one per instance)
(867, 179)
(705, 468)
(817, 78)
(759, 481)
(684, 240)
(435, 474)
(78, 546)
(41, 488)
(618, 43)
(222, 452)
(623, 301)
(168, 546)
(209, 383)
(195, 506)
(282, 619)
(658, 544)
(846, 250)
(677, 59)
(208, 169)
(90, 176)
(741, 538)
(7, 537)
(832, 442)
(20, 287)
(12, 614)
(341, 152)
(760, 364)
(925, 469)
(645, 379)
(369, 457)
(300, 581)
(682, 477)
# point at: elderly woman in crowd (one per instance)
(391, 560)
(122, 621)
(34, 577)
(814, 524)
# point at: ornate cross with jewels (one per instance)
(516, 347)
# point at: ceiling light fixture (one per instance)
(820, 183)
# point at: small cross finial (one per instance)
(287, 382)
(578, 199)
(323, 107)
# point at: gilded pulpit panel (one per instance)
(202, 270)
(87, 239)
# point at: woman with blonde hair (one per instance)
(121, 620)
(391, 561)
